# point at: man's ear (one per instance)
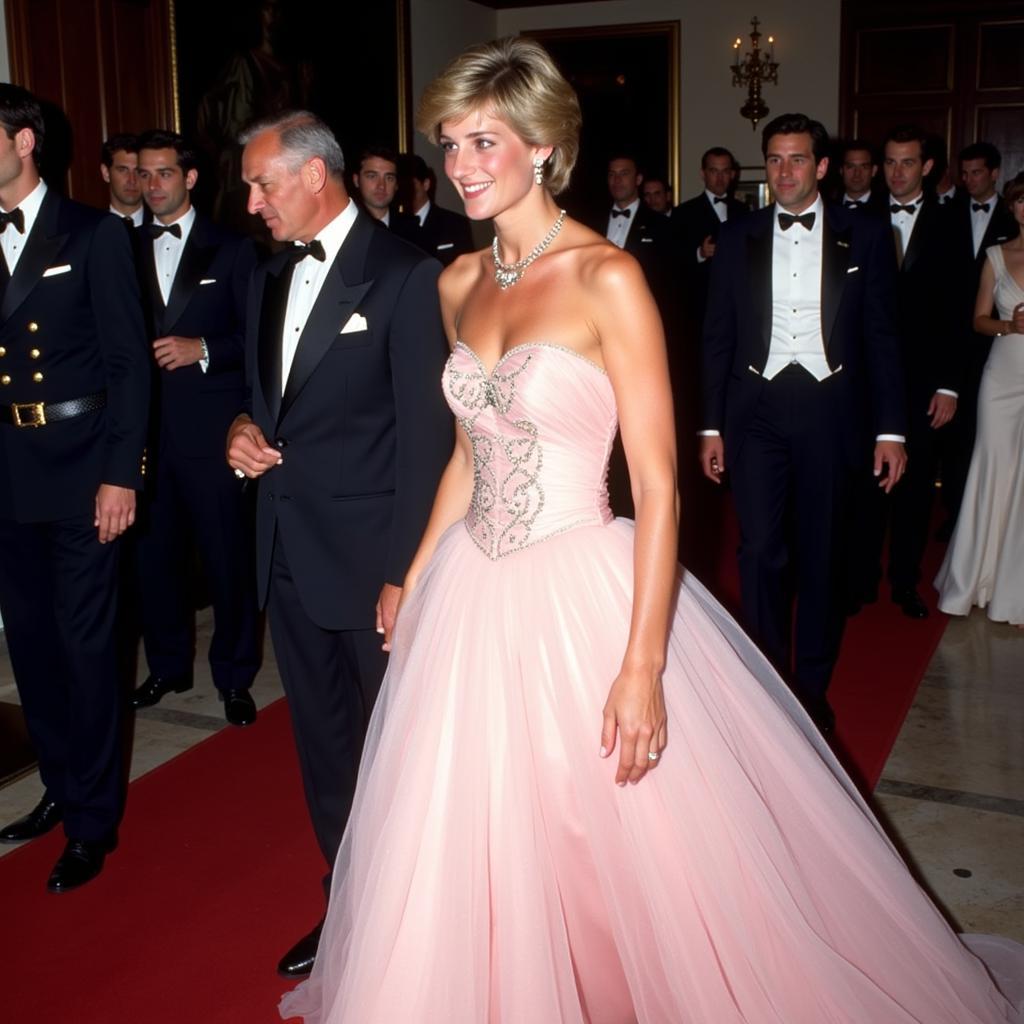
(105, 173)
(314, 172)
(191, 178)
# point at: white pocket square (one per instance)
(851, 270)
(208, 280)
(646, 239)
(54, 271)
(355, 322)
(447, 245)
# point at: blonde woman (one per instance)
(585, 797)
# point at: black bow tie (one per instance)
(975, 207)
(156, 230)
(787, 220)
(314, 249)
(719, 199)
(852, 204)
(15, 217)
(903, 208)
(616, 212)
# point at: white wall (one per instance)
(807, 50)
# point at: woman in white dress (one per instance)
(984, 565)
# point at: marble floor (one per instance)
(952, 793)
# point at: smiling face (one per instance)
(793, 173)
(166, 186)
(490, 166)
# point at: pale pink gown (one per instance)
(493, 873)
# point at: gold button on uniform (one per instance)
(34, 353)
(37, 377)
(5, 380)
(33, 327)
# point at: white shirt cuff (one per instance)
(946, 391)
(701, 258)
(892, 437)
(204, 363)
(709, 433)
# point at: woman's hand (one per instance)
(635, 712)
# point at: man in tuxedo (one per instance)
(697, 223)
(633, 227)
(196, 276)
(119, 167)
(801, 371)
(857, 171)
(980, 220)
(441, 233)
(933, 328)
(74, 383)
(348, 433)
(657, 194)
(376, 183)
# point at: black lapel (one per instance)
(919, 236)
(342, 291)
(156, 300)
(835, 261)
(759, 275)
(41, 249)
(273, 304)
(195, 258)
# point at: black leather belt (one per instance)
(38, 414)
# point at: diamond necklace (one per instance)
(507, 274)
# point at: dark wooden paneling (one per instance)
(105, 63)
(956, 67)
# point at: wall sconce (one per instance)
(752, 70)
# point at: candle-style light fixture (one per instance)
(753, 70)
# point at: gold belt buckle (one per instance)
(38, 414)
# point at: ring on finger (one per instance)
(653, 755)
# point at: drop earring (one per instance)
(538, 171)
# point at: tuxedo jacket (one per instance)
(932, 306)
(692, 222)
(858, 326)
(1001, 228)
(445, 234)
(362, 425)
(71, 325)
(207, 300)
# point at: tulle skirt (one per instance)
(493, 873)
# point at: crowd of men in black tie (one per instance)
(124, 364)
(937, 219)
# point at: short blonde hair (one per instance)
(517, 80)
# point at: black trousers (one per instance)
(200, 501)
(58, 598)
(331, 680)
(790, 479)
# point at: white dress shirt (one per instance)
(903, 223)
(12, 241)
(167, 252)
(618, 227)
(421, 213)
(135, 216)
(980, 219)
(948, 196)
(860, 200)
(307, 280)
(386, 219)
(796, 338)
(796, 299)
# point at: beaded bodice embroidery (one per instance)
(541, 425)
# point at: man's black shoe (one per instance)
(81, 861)
(153, 689)
(299, 960)
(43, 817)
(910, 601)
(239, 707)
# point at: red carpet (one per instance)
(218, 872)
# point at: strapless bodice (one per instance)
(541, 425)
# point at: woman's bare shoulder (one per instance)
(457, 279)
